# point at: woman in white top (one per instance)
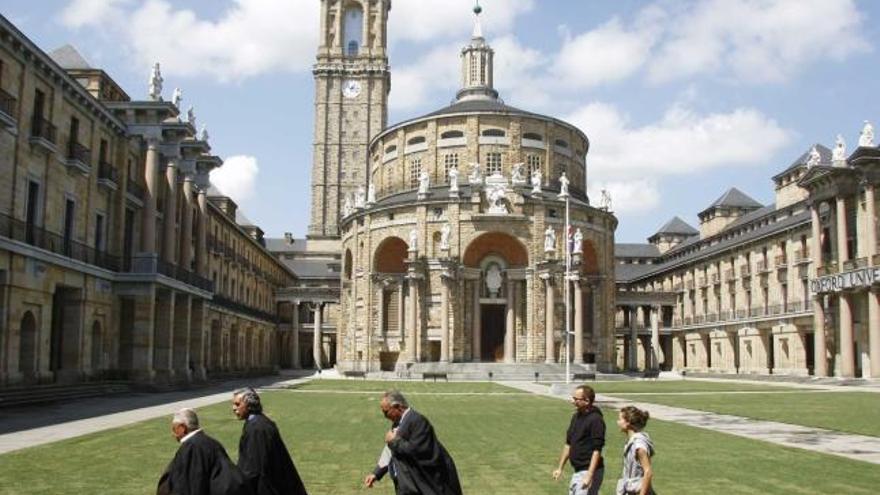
(638, 476)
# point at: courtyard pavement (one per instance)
(858, 447)
(37, 425)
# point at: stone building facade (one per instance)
(454, 251)
(786, 288)
(115, 261)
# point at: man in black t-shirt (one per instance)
(583, 444)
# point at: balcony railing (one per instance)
(781, 262)
(242, 308)
(58, 244)
(7, 104)
(43, 129)
(184, 275)
(759, 311)
(108, 174)
(763, 266)
(801, 256)
(135, 189)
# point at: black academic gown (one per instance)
(420, 465)
(264, 460)
(201, 467)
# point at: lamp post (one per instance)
(563, 193)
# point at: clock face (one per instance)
(351, 88)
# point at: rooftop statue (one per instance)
(156, 83)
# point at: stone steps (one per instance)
(42, 394)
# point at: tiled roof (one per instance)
(626, 250)
(734, 198)
(69, 58)
(824, 154)
(677, 226)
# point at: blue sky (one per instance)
(680, 99)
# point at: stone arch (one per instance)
(589, 258)
(353, 28)
(27, 350)
(391, 256)
(346, 272)
(498, 243)
(97, 346)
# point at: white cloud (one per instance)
(249, 38)
(681, 142)
(757, 41)
(634, 196)
(426, 20)
(81, 13)
(237, 177)
(608, 53)
(435, 73)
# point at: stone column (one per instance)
(318, 337)
(633, 338)
(401, 320)
(445, 355)
(655, 338)
(412, 332)
(550, 324)
(380, 312)
(873, 336)
(151, 176)
(842, 253)
(186, 221)
(819, 347)
(578, 323)
(170, 242)
(476, 330)
(296, 363)
(201, 236)
(871, 222)
(847, 353)
(510, 323)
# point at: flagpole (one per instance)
(567, 301)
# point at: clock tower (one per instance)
(352, 81)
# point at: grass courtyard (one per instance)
(503, 441)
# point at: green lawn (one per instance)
(851, 412)
(674, 386)
(501, 443)
(407, 387)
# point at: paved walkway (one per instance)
(59, 424)
(858, 447)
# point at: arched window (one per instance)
(452, 135)
(390, 149)
(353, 30)
(416, 140)
(533, 136)
(561, 143)
(494, 133)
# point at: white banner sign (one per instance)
(863, 277)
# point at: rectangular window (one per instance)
(69, 216)
(493, 163)
(39, 104)
(31, 215)
(128, 239)
(450, 161)
(99, 232)
(102, 151)
(415, 169)
(533, 163)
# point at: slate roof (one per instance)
(313, 268)
(280, 245)
(69, 58)
(672, 261)
(628, 250)
(479, 105)
(824, 154)
(677, 226)
(734, 198)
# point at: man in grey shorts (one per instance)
(583, 444)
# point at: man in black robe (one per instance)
(200, 466)
(418, 463)
(262, 455)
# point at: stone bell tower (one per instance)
(352, 81)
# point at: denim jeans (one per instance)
(576, 487)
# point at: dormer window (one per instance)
(533, 136)
(390, 149)
(494, 133)
(561, 143)
(416, 140)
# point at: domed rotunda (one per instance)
(454, 251)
